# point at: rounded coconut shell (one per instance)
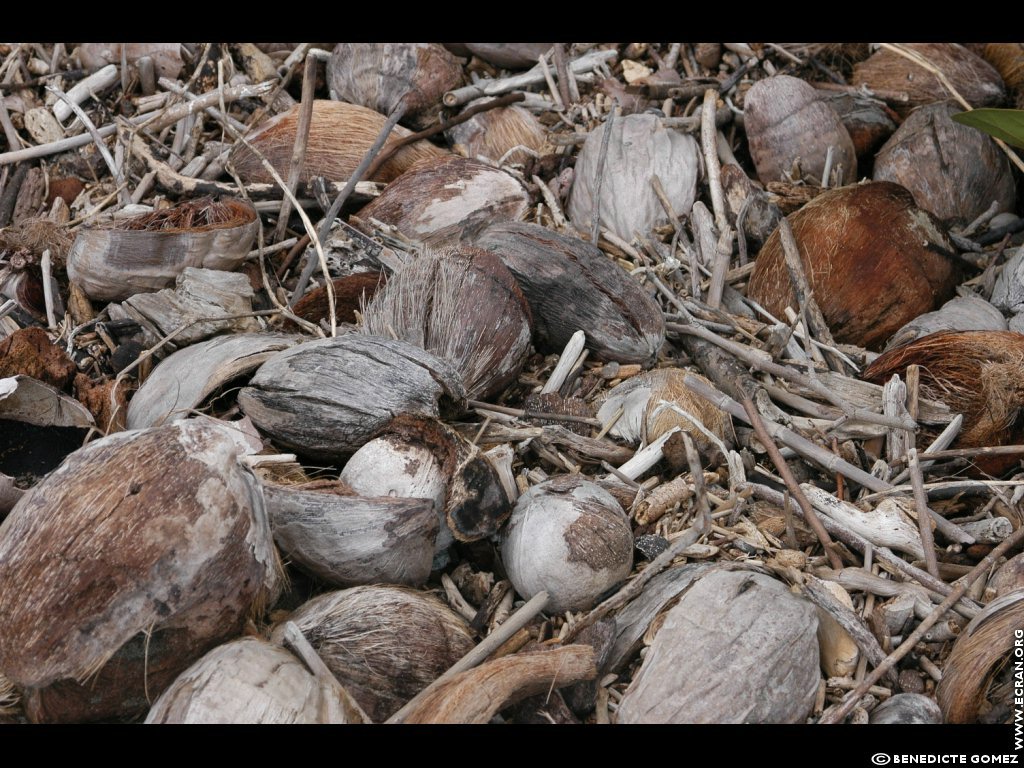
(977, 373)
(509, 55)
(787, 120)
(463, 305)
(326, 398)
(1008, 60)
(246, 681)
(972, 76)
(571, 285)
(128, 562)
(639, 148)
(952, 170)
(431, 201)
(907, 709)
(381, 75)
(868, 121)
(961, 313)
(738, 647)
(873, 260)
(384, 644)
(492, 135)
(146, 253)
(569, 537)
(339, 136)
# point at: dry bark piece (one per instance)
(570, 538)
(494, 134)
(907, 709)
(761, 216)
(106, 400)
(326, 398)
(979, 652)
(339, 136)
(463, 305)
(382, 75)
(888, 524)
(384, 644)
(571, 285)
(838, 651)
(786, 120)
(248, 680)
(136, 556)
(873, 260)
(476, 695)
(961, 313)
(114, 260)
(639, 148)
(954, 171)
(348, 540)
(28, 400)
(1009, 577)
(29, 352)
(648, 400)
(971, 75)
(868, 121)
(183, 380)
(197, 294)
(351, 293)
(509, 55)
(977, 373)
(431, 201)
(736, 648)
(166, 56)
(475, 502)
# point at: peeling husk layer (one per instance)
(113, 581)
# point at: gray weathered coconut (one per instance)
(1008, 293)
(148, 252)
(569, 537)
(961, 313)
(906, 709)
(182, 381)
(325, 398)
(123, 566)
(349, 540)
(246, 681)
(384, 644)
(737, 648)
(639, 148)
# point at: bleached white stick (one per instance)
(95, 83)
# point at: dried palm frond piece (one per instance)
(146, 253)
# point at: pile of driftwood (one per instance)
(509, 383)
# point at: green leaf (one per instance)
(1005, 124)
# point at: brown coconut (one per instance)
(350, 294)
(339, 136)
(952, 170)
(123, 566)
(639, 148)
(571, 285)
(868, 121)
(570, 538)
(248, 681)
(1008, 60)
(29, 352)
(787, 121)
(494, 135)
(463, 305)
(430, 202)
(972, 76)
(873, 259)
(145, 253)
(380, 75)
(383, 644)
(977, 373)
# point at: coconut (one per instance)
(384, 644)
(495, 134)
(570, 538)
(123, 566)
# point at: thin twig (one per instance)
(708, 137)
(299, 148)
(923, 516)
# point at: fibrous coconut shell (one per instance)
(339, 136)
(494, 135)
(952, 170)
(123, 566)
(873, 260)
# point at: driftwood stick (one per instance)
(534, 76)
(480, 652)
(595, 220)
(98, 81)
(299, 148)
(794, 488)
(923, 512)
(768, 366)
(936, 449)
(90, 127)
(10, 132)
(837, 714)
(708, 136)
(805, 297)
(566, 362)
(528, 414)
